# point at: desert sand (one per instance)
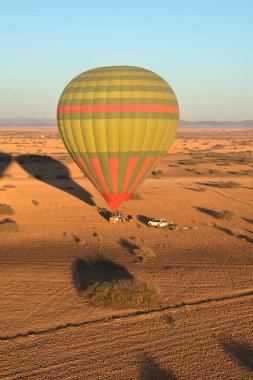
(59, 225)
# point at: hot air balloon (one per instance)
(117, 123)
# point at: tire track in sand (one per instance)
(138, 313)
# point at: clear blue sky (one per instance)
(203, 48)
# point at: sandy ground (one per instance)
(204, 274)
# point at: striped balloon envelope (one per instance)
(117, 123)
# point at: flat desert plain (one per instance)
(55, 240)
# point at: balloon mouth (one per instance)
(115, 200)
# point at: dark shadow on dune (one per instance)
(247, 220)
(54, 173)
(104, 213)
(242, 352)
(151, 370)
(128, 245)
(96, 270)
(190, 188)
(250, 231)
(212, 184)
(207, 211)
(143, 219)
(5, 160)
(223, 229)
(231, 233)
(245, 237)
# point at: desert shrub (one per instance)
(188, 162)
(144, 254)
(9, 186)
(34, 202)
(246, 172)
(6, 209)
(228, 184)
(157, 172)
(8, 225)
(215, 171)
(198, 156)
(218, 146)
(137, 196)
(225, 215)
(2, 189)
(201, 189)
(122, 294)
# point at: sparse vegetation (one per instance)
(228, 184)
(225, 215)
(137, 196)
(6, 209)
(215, 171)
(8, 225)
(201, 189)
(144, 254)
(157, 172)
(122, 294)
(9, 186)
(79, 240)
(188, 162)
(35, 203)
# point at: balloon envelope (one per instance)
(117, 123)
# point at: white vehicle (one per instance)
(159, 223)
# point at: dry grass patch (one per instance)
(6, 209)
(9, 186)
(228, 185)
(122, 295)
(137, 196)
(157, 172)
(8, 225)
(225, 215)
(144, 254)
(188, 162)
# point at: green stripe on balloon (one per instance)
(108, 89)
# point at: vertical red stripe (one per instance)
(114, 169)
(143, 168)
(96, 164)
(152, 167)
(132, 161)
(87, 172)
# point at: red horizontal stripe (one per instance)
(119, 108)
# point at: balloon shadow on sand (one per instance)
(241, 352)
(151, 370)
(5, 160)
(54, 173)
(88, 272)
